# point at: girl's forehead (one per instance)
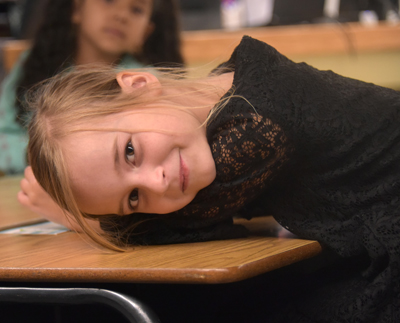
(110, 121)
(143, 2)
(135, 119)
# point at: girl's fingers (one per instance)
(23, 198)
(25, 185)
(28, 173)
(29, 184)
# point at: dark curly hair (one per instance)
(54, 45)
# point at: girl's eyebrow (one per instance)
(117, 168)
(116, 155)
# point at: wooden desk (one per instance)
(69, 258)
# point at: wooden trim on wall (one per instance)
(208, 45)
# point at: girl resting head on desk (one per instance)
(162, 159)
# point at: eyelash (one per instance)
(129, 153)
(134, 197)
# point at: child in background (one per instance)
(125, 33)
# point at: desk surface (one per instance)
(68, 257)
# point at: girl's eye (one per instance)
(137, 10)
(134, 199)
(130, 152)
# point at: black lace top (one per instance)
(318, 151)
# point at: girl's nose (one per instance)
(154, 180)
(121, 12)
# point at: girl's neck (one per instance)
(88, 54)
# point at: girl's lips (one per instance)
(183, 175)
(115, 32)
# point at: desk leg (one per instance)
(132, 309)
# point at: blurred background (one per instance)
(19, 20)
(214, 14)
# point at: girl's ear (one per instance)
(129, 81)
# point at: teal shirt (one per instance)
(14, 137)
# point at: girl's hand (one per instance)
(35, 198)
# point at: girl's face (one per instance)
(115, 172)
(113, 27)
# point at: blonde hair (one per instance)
(59, 105)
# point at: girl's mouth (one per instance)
(183, 175)
(115, 32)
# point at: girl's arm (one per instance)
(34, 197)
